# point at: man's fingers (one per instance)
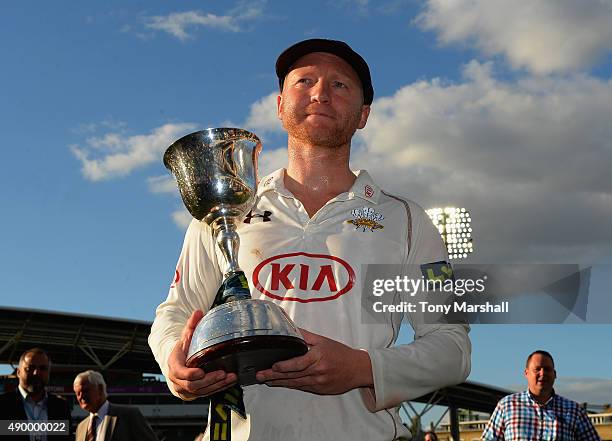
(190, 326)
(303, 383)
(294, 369)
(218, 386)
(296, 364)
(270, 375)
(188, 374)
(207, 385)
(194, 382)
(177, 369)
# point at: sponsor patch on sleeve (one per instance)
(440, 270)
(177, 279)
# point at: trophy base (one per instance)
(245, 356)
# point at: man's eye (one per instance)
(304, 81)
(339, 84)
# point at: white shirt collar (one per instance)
(25, 395)
(274, 181)
(363, 187)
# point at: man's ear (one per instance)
(363, 119)
(279, 107)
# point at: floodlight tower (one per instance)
(454, 225)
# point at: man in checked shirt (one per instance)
(539, 413)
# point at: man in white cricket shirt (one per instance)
(314, 225)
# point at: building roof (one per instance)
(468, 395)
(76, 340)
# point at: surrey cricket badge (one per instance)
(366, 218)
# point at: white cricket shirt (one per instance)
(312, 268)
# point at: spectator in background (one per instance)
(30, 401)
(538, 412)
(106, 421)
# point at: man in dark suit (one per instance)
(30, 401)
(106, 421)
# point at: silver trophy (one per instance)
(216, 172)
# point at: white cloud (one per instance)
(178, 24)
(115, 154)
(594, 391)
(530, 159)
(589, 390)
(248, 9)
(262, 116)
(542, 36)
(271, 160)
(162, 184)
(182, 218)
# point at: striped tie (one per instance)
(91, 429)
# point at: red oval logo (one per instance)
(304, 277)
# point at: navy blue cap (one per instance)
(335, 47)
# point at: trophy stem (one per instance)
(229, 242)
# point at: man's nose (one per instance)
(320, 92)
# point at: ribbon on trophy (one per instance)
(234, 287)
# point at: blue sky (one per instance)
(500, 107)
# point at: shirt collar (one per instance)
(363, 187)
(531, 397)
(102, 411)
(24, 393)
(26, 396)
(274, 181)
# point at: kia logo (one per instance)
(310, 277)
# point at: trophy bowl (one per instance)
(244, 336)
(216, 172)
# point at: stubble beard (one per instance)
(339, 133)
